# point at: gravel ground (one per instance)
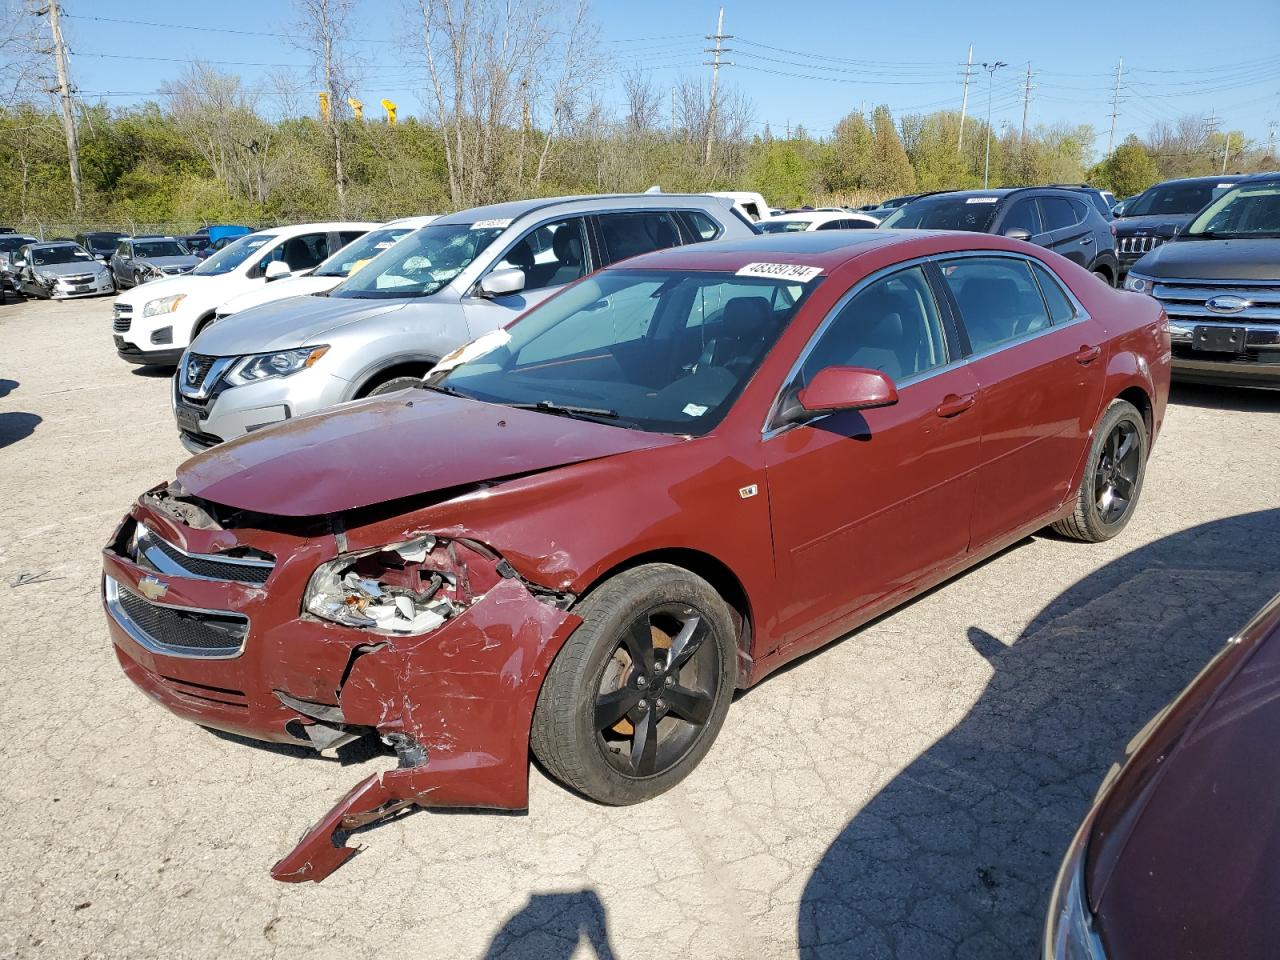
(906, 792)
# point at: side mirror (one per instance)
(1018, 233)
(276, 270)
(19, 262)
(835, 389)
(499, 283)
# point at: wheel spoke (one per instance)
(644, 744)
(686, 643)
(1125, 447)
(639, 644)
(612, 707)
(691, 705)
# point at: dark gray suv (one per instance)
(1059, 218)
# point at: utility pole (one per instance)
(1271, 139)
(64, 95)
(1026, 102)
(1226, 149)
(964, 100)
(715, 65)
(991, 69)
(673, 113)
(1115, 107)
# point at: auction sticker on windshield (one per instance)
(490, 224)
(780, 271)
(982, 200)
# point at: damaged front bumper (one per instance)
(209, 622)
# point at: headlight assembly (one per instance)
(392, 590)
(282, 363)
(1069, 933)
(155, 308)
(1138, 284)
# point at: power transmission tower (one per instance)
(1026, 102)
(991, 69)
(63, 90)
(1115, 107)
(719, 37)
(964, 100)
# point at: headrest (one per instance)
(747, 317)
(567, 244)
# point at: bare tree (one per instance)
(578, 67)
(323, 31)
(643, 102)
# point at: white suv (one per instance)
(154, 322)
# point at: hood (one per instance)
(76, 269)
(278, 290)
(186, 262)
(1213, 260)
(402, 445)
(1154, 226)
(162, 287)
(283, 324)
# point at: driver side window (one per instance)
(550, 256)
(893, 325)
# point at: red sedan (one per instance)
(585, 531)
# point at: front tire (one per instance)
(637, 695)
(1113, 476)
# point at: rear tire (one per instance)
(394, 384)
(1104, 277)
(1113, 475)
(637, 695)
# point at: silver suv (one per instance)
(380, 330)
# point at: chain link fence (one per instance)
(54, 229)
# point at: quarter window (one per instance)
(893, 326)
(1060, 307)
(700, 225)
(998, 299)
(631, 234)
(550, 255)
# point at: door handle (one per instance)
(1087, 240)
(953, 405)
(1088, 354)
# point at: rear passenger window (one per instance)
(342, 239)
(700, 225)
(1060, 307)
(891, 326)
(999, 300)
(1058, 213)
(631, 234)
(832, 225)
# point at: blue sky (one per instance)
(798, 62)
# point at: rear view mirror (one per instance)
(835, 389)
(276, 270)
(1018, 233)
(502, 282)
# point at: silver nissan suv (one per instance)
(436, 289)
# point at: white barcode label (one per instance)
(780, 271)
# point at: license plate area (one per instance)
(1219, 339)
(188, 418)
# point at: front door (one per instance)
(865, 503)
(1040, 386)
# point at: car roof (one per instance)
(827, 249)
(1269, 177)
(54, 243)
(1225, 178)
(327, 227)
(586, 203)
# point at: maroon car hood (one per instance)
(411, 443)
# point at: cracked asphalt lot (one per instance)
(907, 792)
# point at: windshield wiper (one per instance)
(567, 410)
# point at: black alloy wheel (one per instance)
(1115, 479)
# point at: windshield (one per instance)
(422, 264)
(159, 248)
(1245, 212)
(945, 213)
(10, 243)
(1174, 199)
(234, 254)
(778, 225)
(70, 253)
(663, 351)
(359, 252)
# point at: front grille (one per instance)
(85, 278)
(1188, 301)
(194, 370)
(122, 318)
(182, 631)
(1139, 245)
(201, 565)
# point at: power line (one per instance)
(1115, 107)
(964, 100)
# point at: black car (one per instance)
(1104, 200)
(1059, 218)
(1219, 282)
(1157, 214)
(101, 243)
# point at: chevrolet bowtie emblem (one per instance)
(151, 588)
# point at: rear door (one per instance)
(863, 503)
(1066, 228)
(1040, 365)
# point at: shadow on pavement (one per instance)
(7, 387)
(552, 926)
(1225, 398)
(153, 373)
(17, 426)
(955, 857)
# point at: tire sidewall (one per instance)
(1120, 410)
(392, 385)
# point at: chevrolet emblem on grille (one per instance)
(1228, 304)
(151, 588)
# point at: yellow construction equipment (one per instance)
(390, 107)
